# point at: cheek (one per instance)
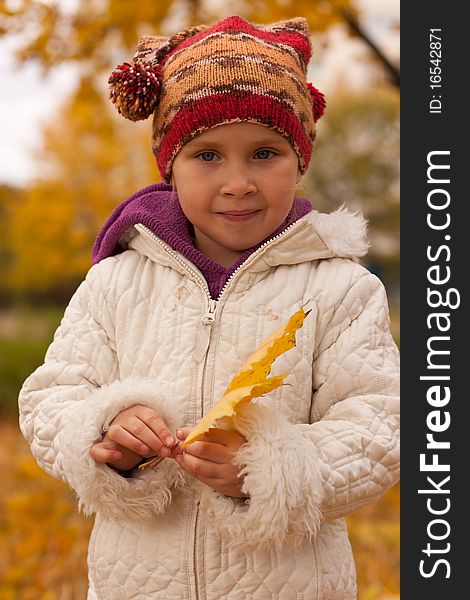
(288, 176)
(282, 187)
(188, 209)
(193, 205)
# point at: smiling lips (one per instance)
(239, 215)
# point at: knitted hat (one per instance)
(233, 71)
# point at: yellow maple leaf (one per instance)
(251, 380)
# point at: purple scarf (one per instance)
(157, 208)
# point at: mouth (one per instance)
(239, 215)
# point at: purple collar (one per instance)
(157, 207)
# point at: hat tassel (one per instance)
(135, 89)
(318, 100)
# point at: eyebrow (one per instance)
(256, 142)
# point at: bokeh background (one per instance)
(66, 159)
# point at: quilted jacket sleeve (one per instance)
(356, 406)
(67, 404)
(299, 475)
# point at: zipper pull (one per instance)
(205, 332)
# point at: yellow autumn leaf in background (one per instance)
(251, 380)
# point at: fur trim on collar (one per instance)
(343, 232)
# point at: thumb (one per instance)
(104, 452)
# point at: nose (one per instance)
(237, 182)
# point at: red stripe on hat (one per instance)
(219, 109)
(235, 24)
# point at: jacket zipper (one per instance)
(187, 265)
(202, 344)
(200, 353)
(195, 550)
(254, 256)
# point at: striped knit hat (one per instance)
(230, 72)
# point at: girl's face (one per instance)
(235, 184)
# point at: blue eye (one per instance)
(207, 156)
(264, 154)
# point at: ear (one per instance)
(299, 177)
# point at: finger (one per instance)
(198, 467)
(141, 431)
(156, 424)
(221, 478)
(210, 451)
(102, 454)
(121, 436)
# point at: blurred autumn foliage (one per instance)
(356, 164)
(91, 164)
(90, 160)
(43, 540)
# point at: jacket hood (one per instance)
(343, 232)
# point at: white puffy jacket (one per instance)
(142, 329)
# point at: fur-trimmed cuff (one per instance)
(99, 488)
(282, 478)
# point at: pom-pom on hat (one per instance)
(233, 71)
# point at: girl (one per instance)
(188, 279)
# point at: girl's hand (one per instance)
(210, 460)
(115, 455)
(137, 432)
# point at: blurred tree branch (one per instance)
(392, 70)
